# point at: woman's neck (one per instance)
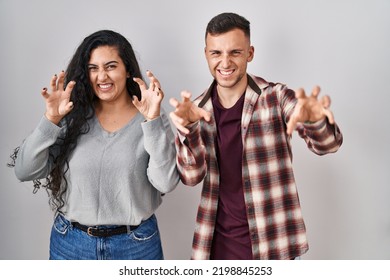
(114, 115)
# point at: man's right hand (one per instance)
(186, 112)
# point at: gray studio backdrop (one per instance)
(341, 45)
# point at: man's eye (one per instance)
(92, 69)
(111, 67)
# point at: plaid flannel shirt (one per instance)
(276, 226)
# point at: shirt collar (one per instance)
(251, 83)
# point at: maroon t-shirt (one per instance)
(231, 236)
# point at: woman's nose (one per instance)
(102, 75)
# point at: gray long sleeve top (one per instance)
(113, 178)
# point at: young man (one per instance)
(236, 137)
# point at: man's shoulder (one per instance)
(263, 83)
(202, 96)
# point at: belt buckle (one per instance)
(89, 231)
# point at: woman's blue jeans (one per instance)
(70, 243)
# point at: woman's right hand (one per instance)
(58, 102)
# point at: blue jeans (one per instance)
(70, 243)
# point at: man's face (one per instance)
(227, 55)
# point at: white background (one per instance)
(344, 46)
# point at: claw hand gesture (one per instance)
(186, 112)
(150, 103)
(309, 109)
(58, 102)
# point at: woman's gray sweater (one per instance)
(113, 178)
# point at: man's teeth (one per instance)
(105, 86)
(225, 72)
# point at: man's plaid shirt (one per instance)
(276, 226)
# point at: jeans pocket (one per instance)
(61, 224)
(147, 230)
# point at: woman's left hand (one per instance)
(150, 103)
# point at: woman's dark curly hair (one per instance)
(84, 98)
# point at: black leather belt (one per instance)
(103, 232)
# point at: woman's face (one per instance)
(107, 74)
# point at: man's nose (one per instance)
(225, 61)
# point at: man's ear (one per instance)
(251, 54)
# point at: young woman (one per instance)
(106, 149)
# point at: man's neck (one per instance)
(229, 96)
